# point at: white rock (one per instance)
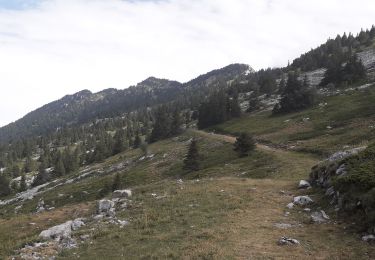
(290, 205)
(368, 238)
(303, 184)
(319, 217)
(77, 223)
(122, 194)
(283, 225)
(302, 200)
(105, 206)
(287, 241)
(58, 232)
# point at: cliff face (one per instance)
(368, 59)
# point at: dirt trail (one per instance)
(252, 233)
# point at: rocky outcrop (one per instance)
(314, 77)
(367, 58)
(58, 232)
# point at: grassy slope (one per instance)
(230, 212)
(351, 116)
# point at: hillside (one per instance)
(107, 175)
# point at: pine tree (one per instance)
(60, 167)
(4, 186)
(116, 185)
(176, 123)
(119, 145)
(162, 124)
(29, 165)
(244, 144)
(137, 141)
(23, 185)
(192, 159)
(296, 96)
(43, 176)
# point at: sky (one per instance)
(50, 48)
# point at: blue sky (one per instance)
(17, 4)
(50, 48)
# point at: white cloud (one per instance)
(63, 46)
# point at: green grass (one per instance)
(350, 115)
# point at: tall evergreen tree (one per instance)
(43, 176)
(60, 167)
(162, 124)
(244, 144)
(4, 186)
(192, 159)
(23, 185)
(296, 96)
(119, 142)
(176, 123)
(116, 185)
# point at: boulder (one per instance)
(304, 184)
(368, 238)
(284, 241)
(290, 205)
(302, 200)
(40, 207)
(105, 206)
(122, 194)
(319, 217)
(58, 232)
(77, 223)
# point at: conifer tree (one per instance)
(119, 142)
(244, 144)
(192, 159)
(43, 176)
(23, 185)
(137, 141)
(4, 186)
(116, 185)
(176, 123)
(60, 167)
(162, 124)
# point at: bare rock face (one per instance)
(314, 77)
(368, 60)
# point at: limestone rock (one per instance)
(319, 217)
(58, 232)
(283, 241)
(122, 194)
(304, 184)
(368, 238)
(302, 200)
(105, 207)
(77, 223)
